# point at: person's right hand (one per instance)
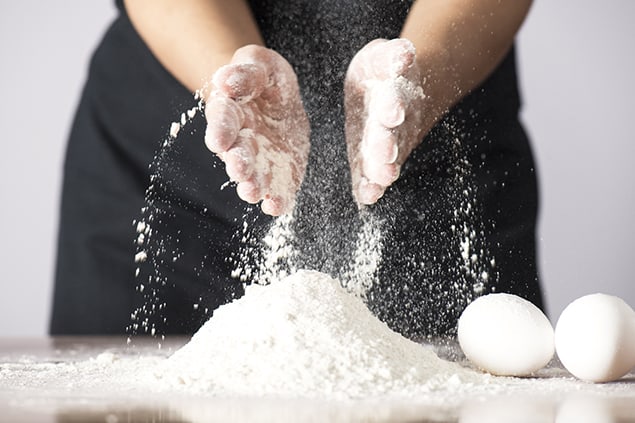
(257, 125)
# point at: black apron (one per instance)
(459, 222)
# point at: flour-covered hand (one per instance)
(384, 104)
(257, 125)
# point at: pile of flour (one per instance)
(305, 336)
(300, 349)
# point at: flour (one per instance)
(175, 127)
(300, 349)
(362, 273)
(277, 255)
(301, 338)
(305, 336)
(278, 251)
(141, 256)
(154, 247)
(272, 167)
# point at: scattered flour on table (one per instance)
(305, 336)
(299, 349)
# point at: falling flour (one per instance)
(305, 336)
(367, 256)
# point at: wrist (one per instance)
(439, 81)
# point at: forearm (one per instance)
(459, 43)
(193, 38)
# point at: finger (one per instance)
(392, 58)
(280, 93)
(374, 43)
(379, 143)
(383, 174)
(271, 63)
(240, 81)
(249, 191)
(379, 151)
(386, 104)
(224, 120)
(274, 206)
(240, 158)
(384, 59)
(368, 192)
(361, 64)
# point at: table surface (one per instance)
(28, 395)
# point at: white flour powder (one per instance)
(367, 257)
(305, 336)
(300, 349)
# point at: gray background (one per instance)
(576, 68)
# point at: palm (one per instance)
(384, 105)
(257, 125)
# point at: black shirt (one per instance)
(460, 220)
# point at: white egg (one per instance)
(595, 338)
(504, 334)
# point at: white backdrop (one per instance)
(576, 68)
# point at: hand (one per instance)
(257, 125)
(384, 105)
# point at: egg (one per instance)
(595, 338)
(504, 334)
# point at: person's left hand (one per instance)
(384, 104)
